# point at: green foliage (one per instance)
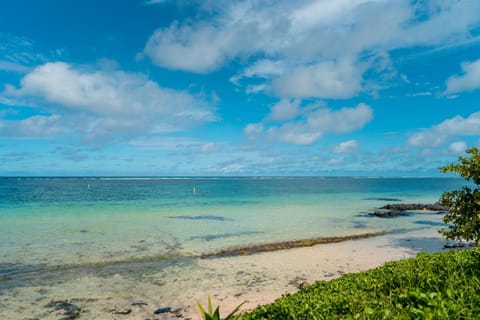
(464, 214)
(215, 314)
(430, 286)
(468, 168)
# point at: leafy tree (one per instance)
(464, 204)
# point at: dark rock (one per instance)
(415, 207)
(163, 310)
(388, 214)
(122, 311)
(71, 311)
(139, 303)
(454, 245)
(224, 235)
(176, 313)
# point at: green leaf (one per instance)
(230, 315)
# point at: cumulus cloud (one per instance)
(326, 79)
(253, 130)
(186, 48)
(350, 146)
(261, 69)
(35, 126)
(457, 147)
(314, 124)
(468, 81)
(323, 47)
(108, 103)
(445, 131)
(285, 110)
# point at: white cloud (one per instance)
(445, 131)
(285, 110)
(326, 80)
(186, 48)
(335, 161)
(210, 147)
(468, 81)
(12, 67)
(350, 146)
(255, 88)
(323, 47)
(108, 103)
(253, 130)
(261, 69)
(324, 13)
(420, 94)
(314, 124)
(457, 147)
(35, 126)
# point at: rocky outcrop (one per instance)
(284, 245)
(388, 214)
(404, 209)
(415, 207)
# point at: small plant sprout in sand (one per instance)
(215, 315)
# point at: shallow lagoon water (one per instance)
(105, 242)
(52, 221)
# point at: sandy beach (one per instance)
(142, 292)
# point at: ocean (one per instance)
(52, 229)
(51, 221)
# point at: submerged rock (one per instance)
(176, 313)
(388, 214)
(71, 311)
(415, 207)
(283, 245)
(163, 310)
(125, 310)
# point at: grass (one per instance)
(431, 286)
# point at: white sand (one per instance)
(259, 279)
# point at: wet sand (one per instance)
(138, 290)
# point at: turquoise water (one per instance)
(69, 221)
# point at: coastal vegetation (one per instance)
(211, 314)
(463, 216)
(442, 285)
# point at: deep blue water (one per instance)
(47, 191)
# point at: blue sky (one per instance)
(190, 87)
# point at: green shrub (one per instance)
(464, 204)
(215, 314)
(430, 286)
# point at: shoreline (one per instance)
(178, 258)
(258, 278)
